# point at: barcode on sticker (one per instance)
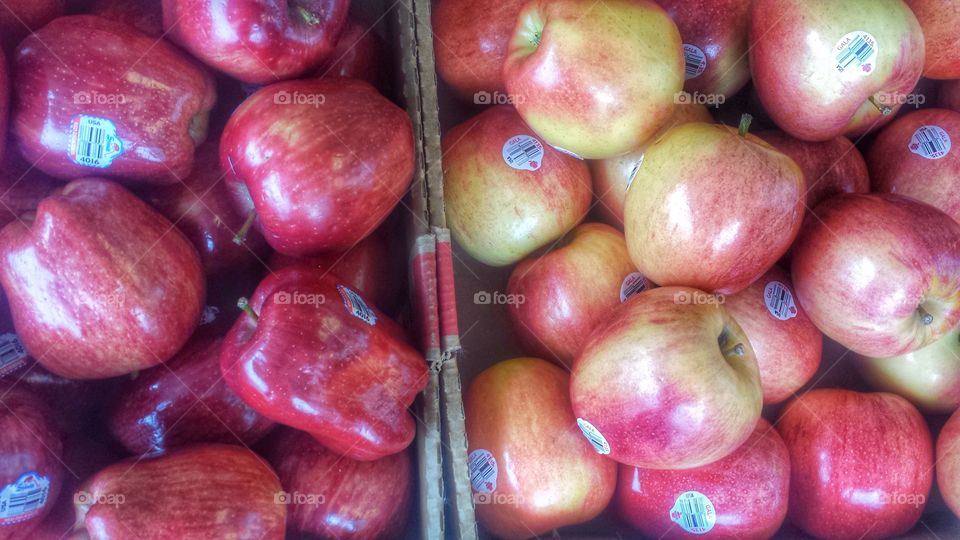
(356, 306)
(593, 435)
(694, 512)
(523, 152)
(779, 301)
(24, 498)
(13, 355)
(632, 284)
(94, 141)
(931, 142)
(856, 50)
(483, 471)
(694, 61)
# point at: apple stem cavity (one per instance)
(925, 318)
(307, 16)
(884, 110)
(738, 349)
(241, 235)
(745, 121)
(244, 304)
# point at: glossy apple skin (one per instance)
(22, 187)
(759, 470)
(165, 96)
(144, 15)
(360, 499)
(568, 291)
(294, 364)
(788, 351)
(711, 209)
(548, 474)
(939, 20)
(182, 402)
(331, 185)
(100, 284)
(359, 53)
(719, 29)
(948, 463)
(596, 82)
(611, 177)
(802, 90)
(256, 41)
(20, 17)
(497, 213)
(855, 458)
(895, 168)
(201, 491)
(869, 268)
(642, 381)
(30, 444)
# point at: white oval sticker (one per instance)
(856, 52)
(931, 142)
(694, 512)
(598, 441)
(632, 284)
(523, 152)
(24, 498)
(94, 141)
(779, 301)
(694, 61)
(483, 471)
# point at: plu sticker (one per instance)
(13, 355)
(779, 301)
(856, 52)
(694, 512)
(24, 498)
(523, 152)
(931, 142)
(483, 471)
(597, 440)
(356, 306)
(694, 61)
(632, 284)
(94, 142)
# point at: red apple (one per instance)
(916, 156)
(507, 193)
(99, 284)
(331, 497)
(669, 381)
(596, 82)
(329, 186)
(948, 463)
(358, 54)
(566, 292)
(824, 69)
(202, 491)
(530, 468)
(712, 209)
(860, 464)
(939, 20)
(310, 353)
(720, 499)
(256, 41)
(949, 95)
(73, 403)
(144, 15)
(18, 18)
(22, 186)
(879, 273)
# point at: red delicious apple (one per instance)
(915, 156)
(144, 15)
(785, 340)
(720, 499)
(712, 209)
(939, 20)
(949, 95)
(22, 186)
(670, 381)
(824, 69)
(358, 54)
(879, 273)
(18, 18)
(507, 193)
(310, 353)
(99, 284)
(328, 186)
(566, 292)
(256, 41)
(860, 464)
(202, 491)
(948, 463)
(530, 468)
(31, 472)
(331, 497)
(184, 401)
(596, 82)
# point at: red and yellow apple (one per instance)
(939, 20)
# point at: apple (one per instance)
(824, 69)
(785, 340)
(74, 404)
(18, 18)
(879, 273)
(470, 40)
(22, 186)
(256, 41)
(530, 468)
(916, 156)
(4, 103)
(31, 471)
(507, 193)
(714, 36)
(669, 381)
(567, 291)
(948, 463)
(144, 15)
(329, 496)
(720, 499)
(595, 82)
(358, 54)
(949, 95)
(711, 208)
(860, 464)
(99, 284)
(612, 177)
(939, 20)
(201, 491)
(310, 353)
(328, 187)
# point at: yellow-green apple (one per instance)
(612, 177)
(824, 69)
(714, 34)
(939, 20)
(948, 463)
(915, 156)
(929, 377)
(507, 193)
(669, 381)
(949, 95)
(785, 340)
(530, 468)
(861, 464)
(567, 291)
(711, 208)
(879, 273)
(593, 80)
(719, 499)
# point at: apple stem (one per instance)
(925, 318)
(308, 16)
(739, 350)
(241, 235)
(745, 121)
(244, 305)
(884, 110)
